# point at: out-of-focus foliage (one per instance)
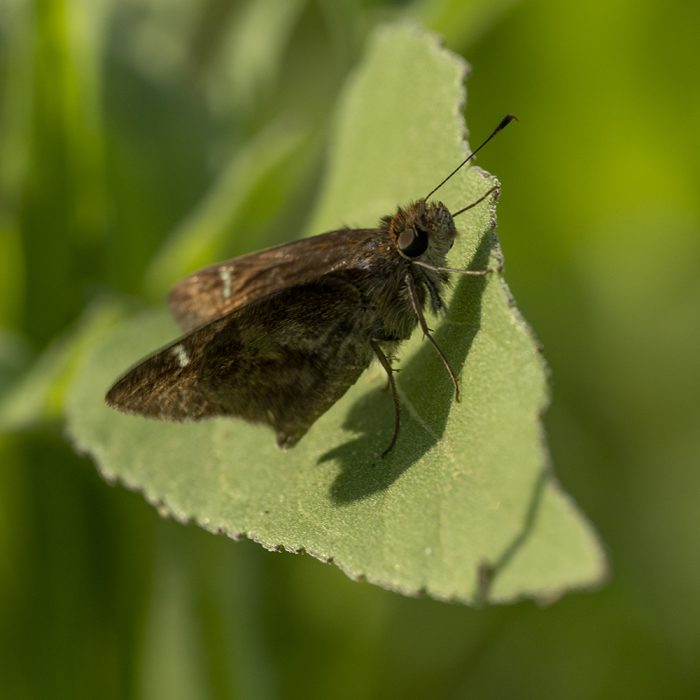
(119, 121)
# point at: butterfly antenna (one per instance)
(484, 196)
(502, 125)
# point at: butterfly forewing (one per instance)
(222, 288)
(166, 385)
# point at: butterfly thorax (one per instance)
(421, 232)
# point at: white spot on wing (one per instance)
(181, 355)
(225, 275)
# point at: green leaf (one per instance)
(465, 508)
(38, 394)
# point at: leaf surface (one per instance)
(465, 508)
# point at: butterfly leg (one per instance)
(413, 294)
(384, 360)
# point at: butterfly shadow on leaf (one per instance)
(362, 471)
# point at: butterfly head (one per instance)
(423, 231)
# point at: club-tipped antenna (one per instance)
(501, 125)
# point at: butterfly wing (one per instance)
(222, 288)
(283, 360)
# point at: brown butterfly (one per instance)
(278, 336)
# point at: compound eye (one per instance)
(413, 242)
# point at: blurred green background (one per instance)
(137, 135)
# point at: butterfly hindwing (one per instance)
(282, 360)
